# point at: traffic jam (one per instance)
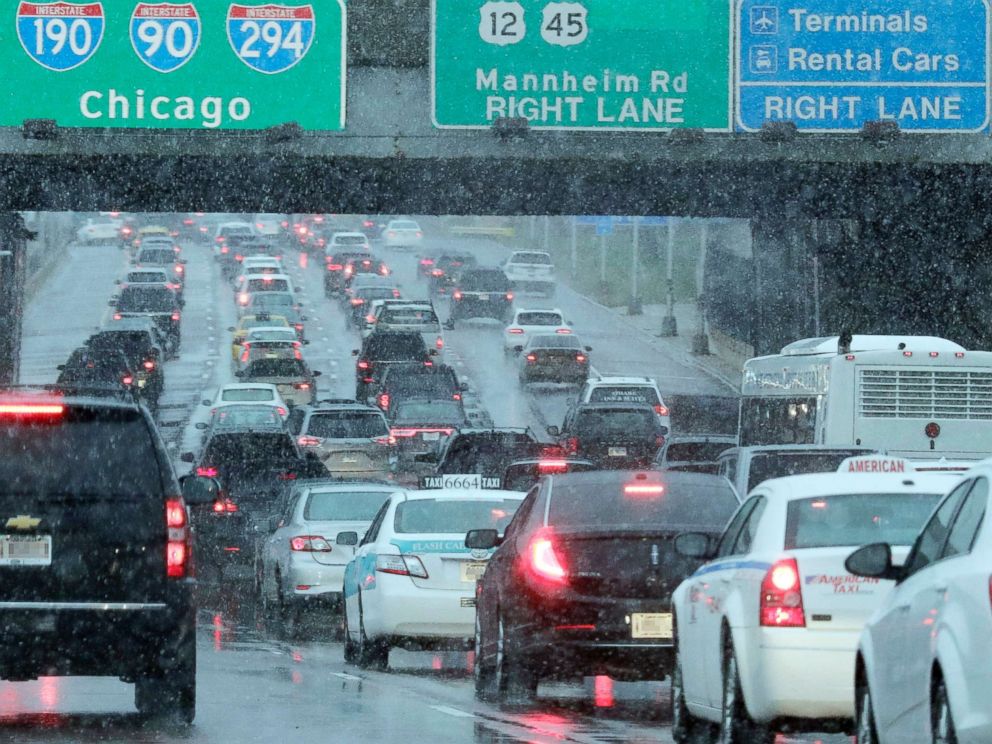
(378, 478)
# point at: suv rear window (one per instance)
(408, 315)
(857, 519)
(149, 277)
(395, 347)
(146, 300)
(267, 284)
(606, 423)
(247, 449)
(429, 412)
(276, 368)
(539, 319)
(531, 258)
(695, 451)
(84, 454)
(157, 256)
(242, 395)
(624, 394)
(349, 240)
(347, 425)
(133, 344)
(451, 516)
(480, 281)
(343, 506)
(681, 505)
(775, 465)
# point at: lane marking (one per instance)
(454, 712)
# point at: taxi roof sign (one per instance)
(876, 464)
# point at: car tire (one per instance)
(942, 729)
(170, 693)
(684, 725)
(865, 731)
(515, 679)
(370, 654)
(736, 726)
(484, 674)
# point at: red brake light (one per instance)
(509, 296)
(363, 364)
(661, 410)
(457, 294)
(543, 560)
(177, 547)
(907, 353)
(427, 262)
(644, 489)
(564, 331)
(117, 316)
(384, 401)
(396, 294)
(308, 441)
(437, 272)
(243, 298)
(31, 409)
(781, 596)
(334, 267)
(179, 269)
(439, 343)
(175, 316)
(532, 357)
(580, 357)
(301, 385)
(552, 466)
(516, 331)
(206, 472)
(456, 396)
(310, 544)
(224, 249)
(127, 380)
(356, 301)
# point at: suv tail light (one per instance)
(427, 262)
(127, 380)
(384, 401)
(334, 267)
(580, 357)
(532, 357)
(301, 385)
(306, 440)
(309, 544)
(148, 365)
(572, 445)
(661, 410)
(225, 506)
(401, 565)
(177, 546)
(781, 596)
(363, 364)
(509, 296)
(456, 295)
(205, 471)
(175, 316)
(543, 560)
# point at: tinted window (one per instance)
(539, 319)
(157, 256)
(695, 451)
(450, 516)
(968, 520)
(248, 416)
(82, 453)
(778, 421)
(244, 449)
(247, 394)
(272, 299)
(267, 285)
(343, 506)
(350, 240)
(147, 276)
(856, 519)
(133, 344)
(775, 465)
(347, 425)
(376, 293)
(408, 315)
(554, 342)
(276, 368)
(140, 299)
(476, 281)
(395, 347)
(429, 411)
(531, 258)
(624, 394)
(611, 423)
(688, 506)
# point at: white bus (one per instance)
(914, 396)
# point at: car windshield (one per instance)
(429, 411)
(157, 256)
(138, 299)
(347, 425)
(531, 258)
(343, 506)
(539, 319)
(350, 239)
(276, 368)
(453, 516)
(853, 519)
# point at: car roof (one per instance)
(347, 234)
(799, 448)
(247, 386)
(324, 406)
(540, 310)
(616, 380)
(794, 487)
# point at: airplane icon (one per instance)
(764, 19)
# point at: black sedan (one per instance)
(582, 581)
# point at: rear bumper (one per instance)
(468, 307)
(533, 284)
(86, 638)
(554, 654)
(555, 372)
(398, 609)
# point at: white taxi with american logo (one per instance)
(412, 581)
(767, 630)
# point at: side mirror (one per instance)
(111, 303)
(240, 373)
(554, 431)
(198, 490)
(206, 402)
(304, 318)
(60, 367)
(463, 386)
(588, 348)
(316, 372)
(306, 342)
(187, 457)
(347, 538)
(181, 303)
(232, 329)
(874, 562)
(201, 425)
(433, 352)
(354, 352)
(117, 282)
(482, 539)
(569, 322)
(518, 349)
(694, 545)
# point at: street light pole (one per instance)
(634, 307)
(575, 249)
(701, 341)
(669, 327)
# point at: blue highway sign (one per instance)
(832, 65)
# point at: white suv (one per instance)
(626, 390)
(531, 271)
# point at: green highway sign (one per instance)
(589, 64)
(203, 64)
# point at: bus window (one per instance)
(778, 421)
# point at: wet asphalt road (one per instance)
(254, 686)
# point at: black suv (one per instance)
(105, 371)
(154, 301)
(95, 552)
(486, 452)
(481, 293)
(254, 465)
(141, 343)
(613, 435)
(334, 276)
(381, 350)
(417, 380)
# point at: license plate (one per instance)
(484, 297)
(617, 452)
(350, 459)
(25, 550)
(651, 625)
(430, 436)
(473, 570)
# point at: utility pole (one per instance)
(701, 340)
(669, 326)
(634, 307)
(575, 248)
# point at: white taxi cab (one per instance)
(527, 323)
(412, 580)
(767, 629)
(924, 663)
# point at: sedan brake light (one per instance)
(781, 604)
(205, 471)
(580, 358)
(177, 546)
(509, 296)
(225, 506)
(661, 410)
(309, 544)
(457, 294)
(401, 565)
(307, 441)
(516, 331)
(532, 357)
(543, 560)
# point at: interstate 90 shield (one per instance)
(60, 36)
(165, 36)
(271, 38)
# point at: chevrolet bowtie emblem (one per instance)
(23, 522)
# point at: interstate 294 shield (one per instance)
(271, 38)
